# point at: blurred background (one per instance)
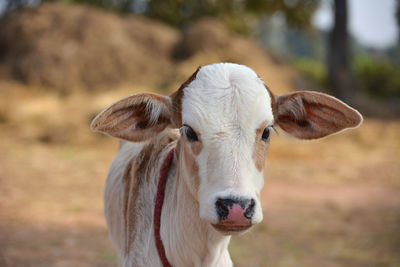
(331, 202)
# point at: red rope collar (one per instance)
(158, 207)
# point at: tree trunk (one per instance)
(339, 73)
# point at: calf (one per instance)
(213, 133)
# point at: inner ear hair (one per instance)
(135, 118)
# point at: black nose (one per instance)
(224, 206)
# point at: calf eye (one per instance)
(190, 133)
(265, 135)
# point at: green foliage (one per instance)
(398, 12)
(11, 5)
(377, 78)
(312, 69)
(113, 5)
(177, 12)
(393, 54)
(181, 12)
(297, 13)
(239, 15)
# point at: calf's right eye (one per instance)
(190, 134)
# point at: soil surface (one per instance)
(332, 202)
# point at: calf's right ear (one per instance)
(135, 118)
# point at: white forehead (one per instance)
(226, 96)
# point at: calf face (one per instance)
(225, 115)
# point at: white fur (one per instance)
(228, 99)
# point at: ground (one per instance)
(333, 202)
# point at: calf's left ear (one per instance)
(311, 115)
(135, 118)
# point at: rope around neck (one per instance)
(158, 207)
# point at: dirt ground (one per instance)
(333, 202)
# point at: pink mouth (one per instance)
(231, 227)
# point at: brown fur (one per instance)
(127, 193)
(190, 164)
(189, 159)
(196, 147)
(177, 100)
(137, 175)
(310, 115)
(137, 179)
(131, 216)
(260, 147)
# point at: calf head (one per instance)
(225, 115)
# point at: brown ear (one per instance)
(311, 115)
(134, 118)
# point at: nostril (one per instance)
(222, 209)
(250, 210)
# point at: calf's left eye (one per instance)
(265, 135)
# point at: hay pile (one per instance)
(67, 46)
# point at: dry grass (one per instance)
(333, 202)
